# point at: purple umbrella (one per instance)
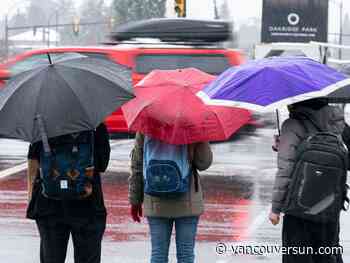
(268, 84)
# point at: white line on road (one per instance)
(13, 170)
(258, 221)
(119, 143)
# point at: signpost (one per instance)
(294, 21)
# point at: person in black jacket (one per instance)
(84, 220)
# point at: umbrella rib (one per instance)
(221, 124)
(31, 74)
(107, 71)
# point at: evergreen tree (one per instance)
(39, 11)
(66, 14)
(93, 11)
(134, 10)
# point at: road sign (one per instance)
(294, 21)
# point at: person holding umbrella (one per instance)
(56, 220)
(310, 185)
(182, 209)
(173, 129)
(298, 231)
(62, 106)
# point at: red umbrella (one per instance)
(166, 108)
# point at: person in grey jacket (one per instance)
(163, 213)
(297, 231)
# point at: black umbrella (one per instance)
(341, 95)
(70, 95)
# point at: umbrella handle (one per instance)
(43, 134)
(278, 122)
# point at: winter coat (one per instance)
(189, 204)
(328, 118)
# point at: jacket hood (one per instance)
(328, 118)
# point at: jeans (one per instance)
(86, 234)
(185, 230)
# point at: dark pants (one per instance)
(337, 242)
(86, 235)
(302, 233)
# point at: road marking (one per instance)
(13, 170)
(119, 143)
(258, 221)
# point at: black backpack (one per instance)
(317, 191)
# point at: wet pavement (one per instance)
(237, 191)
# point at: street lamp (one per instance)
(216, 12)
(16, 4)
(49, 26)
(6, 27)
(340, 4)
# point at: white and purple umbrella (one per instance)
(267, 84)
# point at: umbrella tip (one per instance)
(50, 60)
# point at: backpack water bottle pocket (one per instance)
(163, 177)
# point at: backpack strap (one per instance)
(43, 134)
(194, 170)
(196, 180)
(346, 198)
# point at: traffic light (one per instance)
(180, 8)
(76, 25)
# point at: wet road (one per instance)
(237, 192)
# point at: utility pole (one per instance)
(56, 29)
(341, 7)
(6, 37)
(56, 13)
(216, 12)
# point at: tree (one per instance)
(134, 10)
(39, 11)
(19, 19)
(346, 36)
(93, 11)
(249, 34)
(225, 11)
(225, 14)
(66, 14)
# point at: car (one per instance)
(142, 57)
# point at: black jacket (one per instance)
(40, 206)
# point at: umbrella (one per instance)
(268, 84)
(342, 95)
(70, 95)
(167, 108)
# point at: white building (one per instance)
(35, 39)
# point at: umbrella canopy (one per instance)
(267, 84)
(71, 95)
(167, 108)
(341, 95)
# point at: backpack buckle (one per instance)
(75, 149)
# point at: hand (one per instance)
(276, 144)
(274, 218)
(136, 213)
